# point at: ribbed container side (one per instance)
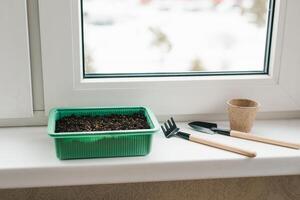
(107, 147)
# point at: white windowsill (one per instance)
(27, 159)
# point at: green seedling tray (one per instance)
(100, 144)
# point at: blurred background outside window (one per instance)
(140, 36)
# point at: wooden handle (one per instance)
(222, 146)
(249, 136)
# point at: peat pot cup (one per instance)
(242, 113)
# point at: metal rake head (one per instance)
(170, 129)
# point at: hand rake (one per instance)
(170, 129)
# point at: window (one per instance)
(66, 85)
(175, 37)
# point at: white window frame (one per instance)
(64, 84)
(15, 72)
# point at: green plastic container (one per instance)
(99, 144)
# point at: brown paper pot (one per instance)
(242, 113)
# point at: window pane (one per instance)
(165, 36)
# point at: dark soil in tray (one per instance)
(88, 123)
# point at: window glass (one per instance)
(165, 37)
